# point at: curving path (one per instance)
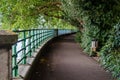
(65, 60)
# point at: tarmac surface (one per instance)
(65, 60)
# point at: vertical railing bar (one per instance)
(24, 44)
(29, 42)
(33, 40)
(15, 71)
(37, 39)
(39, 36)
(46, 31)
(42, 36)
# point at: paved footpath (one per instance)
(65, 60)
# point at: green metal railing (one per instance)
(28, 42)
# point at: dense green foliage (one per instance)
(110, 53)
(97, 19)
(20, 14)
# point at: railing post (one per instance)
(7, 38)
(36, 39)
(56, 32)
(29, 42)
(42, 36)
(39, 37)
(33, 40)
(15, 71)
(24, 44)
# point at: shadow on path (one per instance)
(65, 60)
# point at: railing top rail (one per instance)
(29, 30)
(39, 29)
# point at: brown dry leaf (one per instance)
(43, 60)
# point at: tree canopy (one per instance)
(26, 13)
